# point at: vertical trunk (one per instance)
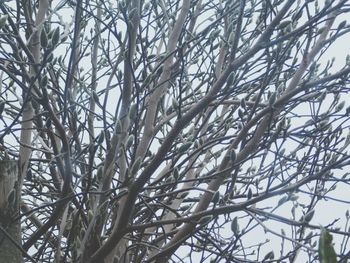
(9, 207)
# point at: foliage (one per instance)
(325, 247)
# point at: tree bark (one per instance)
(10, 234)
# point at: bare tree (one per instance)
(174, 131)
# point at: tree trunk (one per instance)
(10, 234)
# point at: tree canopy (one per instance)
(176, 131)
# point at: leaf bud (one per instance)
(235, 226)
(43, 38)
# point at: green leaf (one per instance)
(325, 248)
